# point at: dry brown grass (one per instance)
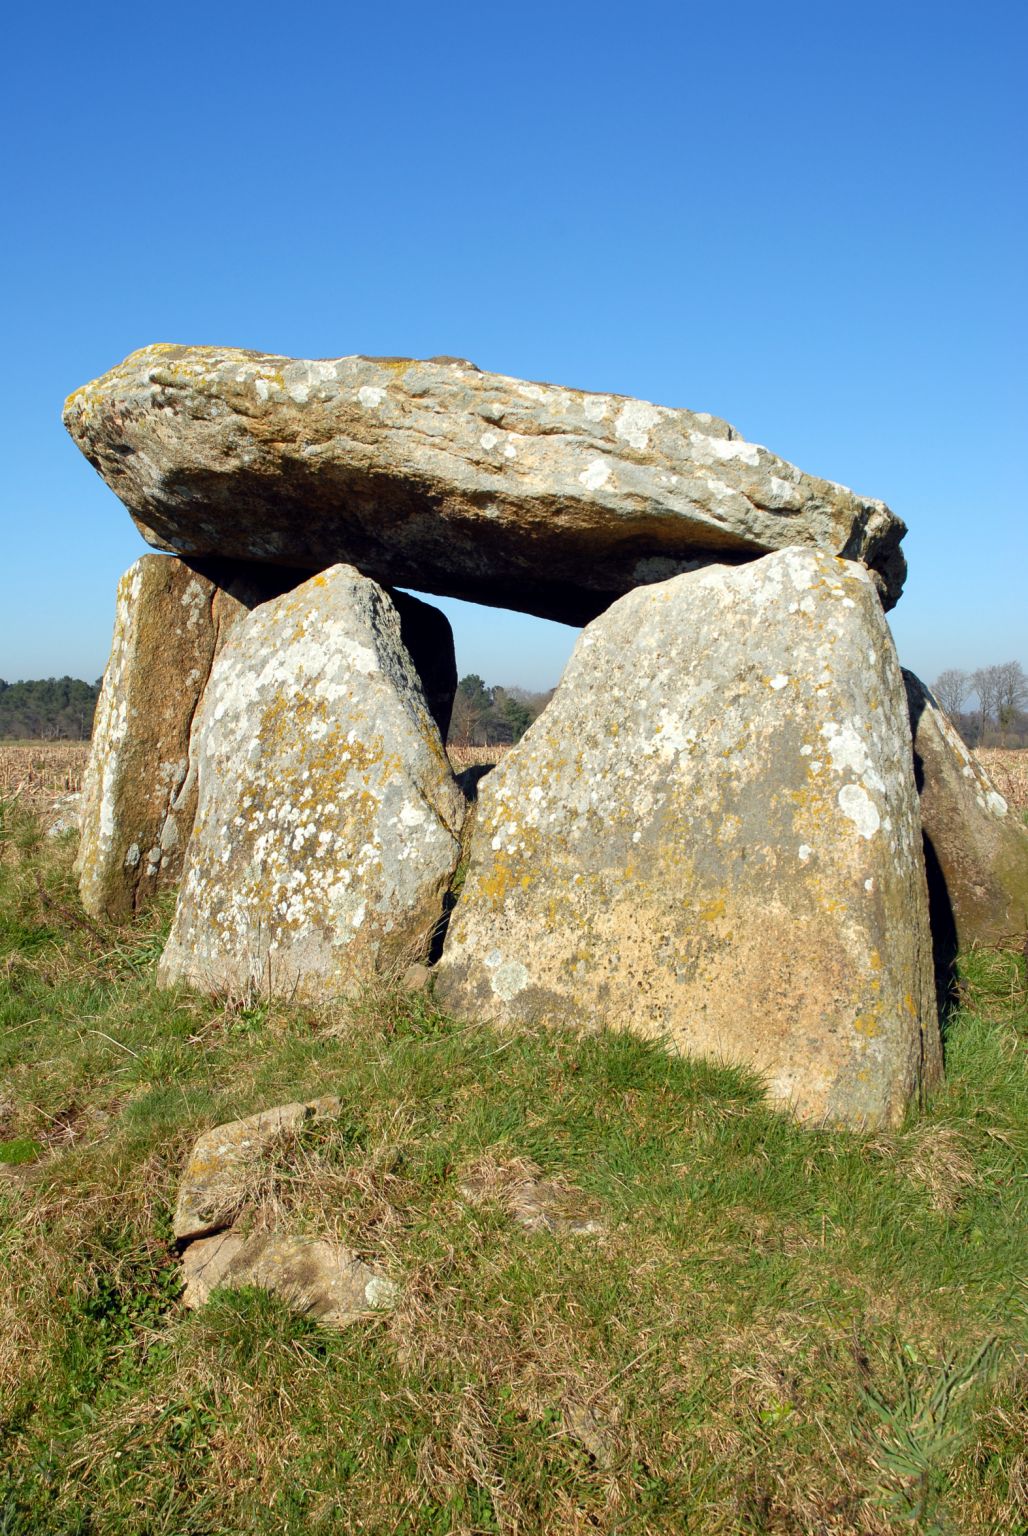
(1008, 770)
(38, 773)
(471, 757)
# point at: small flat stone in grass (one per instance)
(215, 1179)
(316, 1277)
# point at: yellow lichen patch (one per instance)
(331, 824)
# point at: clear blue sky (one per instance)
(807, 218)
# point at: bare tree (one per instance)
(1011, 692)
(985, 683)
(951, 688)
(464, 721)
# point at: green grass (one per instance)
(779, 1330)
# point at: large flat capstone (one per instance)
(439, 476)
(328, 821)
(711, 837)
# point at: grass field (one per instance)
(776, 1330)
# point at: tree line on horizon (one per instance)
(62, 708)
(47, 709)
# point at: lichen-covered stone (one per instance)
(976, 851)
(711, 838)
(65, 815)
(139, 794)
(225, 1160)
(328, 823)
(437, 476)
(316, 1277)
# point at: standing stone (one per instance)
(139, 794)
(711, 837)
(328, 824)
(438, 476)
(975, 851)
(428, 640)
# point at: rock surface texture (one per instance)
(314, 1276)
(712, 837)
(139, 794)
(441, 477)
(428, 640)
(975, 850)
(222, 1164)
(328, 823)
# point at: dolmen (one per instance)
(738, 828)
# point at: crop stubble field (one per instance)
(36, 773)
(40, 772)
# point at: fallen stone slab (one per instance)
(328, 823)
(139, 790)
(222, 1166)
(437, 476)
(711, 838)
(976, 851)
(315, 1277)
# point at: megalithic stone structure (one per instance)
(437, 476)
(711, 837)
(139, 794)
(976, 851)
(328, 824)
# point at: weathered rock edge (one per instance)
(328, 822)
(975, 850)
(216, 1179)
(711, 837)
(439, 476)
(139, 794)
(316, 1276)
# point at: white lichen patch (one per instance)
(710, 450)
(635, 421)
(596, 476)
(508, 979)
(325, 853)
(857, 805)
(681, 845)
